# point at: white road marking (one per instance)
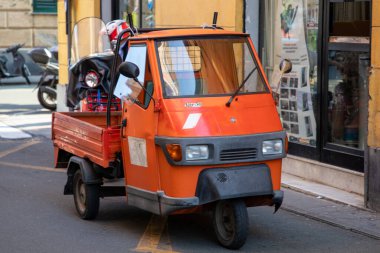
(192, 121)
(33, 124)
(7, 132)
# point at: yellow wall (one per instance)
(79, 9)
(198, 12)
(374, 87)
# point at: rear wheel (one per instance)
(230, 221)
(86, 197)
(47, 97)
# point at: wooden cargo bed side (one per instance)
(84, 134)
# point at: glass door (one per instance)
(345, 83)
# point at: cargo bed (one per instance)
(85, 134)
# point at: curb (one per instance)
(329, 211)
(335, 200)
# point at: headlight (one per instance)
(197, 152)
(272, 147)
(92, 79)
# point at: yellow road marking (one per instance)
(27, 166)
(18, 148)
(150, 241)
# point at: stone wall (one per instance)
(18, 24)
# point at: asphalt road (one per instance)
(35, 216)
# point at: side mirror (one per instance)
(129, 70)
(285, 66)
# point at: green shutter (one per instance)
(45, 6)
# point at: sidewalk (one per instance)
(329, 205)
(322, 191)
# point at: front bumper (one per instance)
(213, 185)
(157, 202)
(234, 182)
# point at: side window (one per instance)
(128, 89)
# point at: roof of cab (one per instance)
(184, 33)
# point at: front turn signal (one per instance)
(175, 151)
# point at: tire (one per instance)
(230, 222)
(47, 97)
(86, 197)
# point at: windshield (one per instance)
(208, 67)
(89, 37)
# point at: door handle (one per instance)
(123, 125)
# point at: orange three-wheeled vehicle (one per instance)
(198, 131)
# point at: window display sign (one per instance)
(293, 32)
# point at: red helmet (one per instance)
(114, 27)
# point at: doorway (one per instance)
(344, 89)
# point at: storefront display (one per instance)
(298, 43)
(323, 102)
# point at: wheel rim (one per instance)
(225, 221)
(81, 195)
(49, 99)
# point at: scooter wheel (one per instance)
(86, 197)
(47, 98)
(230, 221)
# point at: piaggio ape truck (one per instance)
(198, 128)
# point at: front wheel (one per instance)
(47, 97)
(86, 197)
(230, 221)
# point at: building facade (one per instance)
(328, 103)
(372, 171)
(33, 22)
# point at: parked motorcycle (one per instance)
(47, 85)
(90, 68)
(19, 67)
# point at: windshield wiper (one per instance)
(241, 86)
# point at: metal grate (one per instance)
(238, 154)
(182, 59)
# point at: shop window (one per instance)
(142, 12)
(323, 101)
(291, 32)
(348, 62)
(45, 6)
(346, 97)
